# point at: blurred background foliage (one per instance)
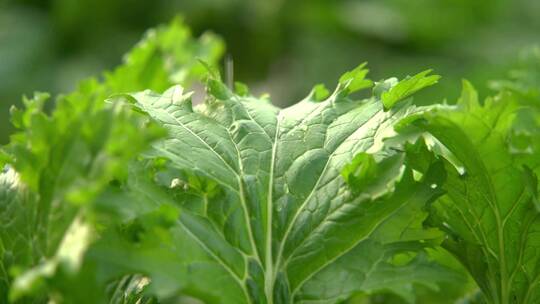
(280, 47)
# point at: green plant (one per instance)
(490, 209)
(124, 195)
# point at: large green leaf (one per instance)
(491, 207)
(267, 215)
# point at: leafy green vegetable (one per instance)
(65, 160)
(266, 212)
(60, 164)
(490, 210)
(120, 194)
(165, 56)
(279, 219)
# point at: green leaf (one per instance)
(489, 210)
(355, 80)
(284, 214)
(61, 164)
(64, 162)
(165, 56)
(407, 87)
(237, 202)
(320, 92)
(361, 171)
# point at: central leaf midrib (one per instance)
(270, 276)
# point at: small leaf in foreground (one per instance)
(407, 87)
